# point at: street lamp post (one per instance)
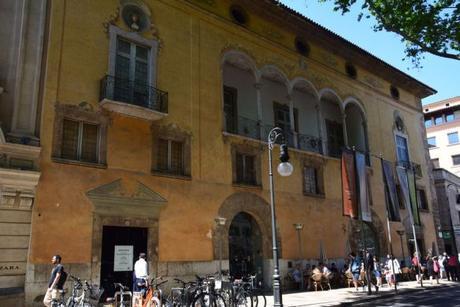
(298, 227)
(284, 169)
(401, 234)
(220, 223)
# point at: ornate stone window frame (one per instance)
(81, 114)
(173, 133)
(152, 44)
(251, 150)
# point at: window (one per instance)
(450, 117)
(245, 169)
(456, 159)
(334, 138)
(79, 141)
(131, 73)
(438, 120)
(421, 199)
(431, 141)
(452, 137)
(231, 109)
(402, 203)
(170, 157)
(283, 121)
(132, 66)
(457, 198)
(435, 163)
(428, 123)
(401, 149)
(80, 134)
(310, 180)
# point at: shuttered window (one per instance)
(310, 180)
(245, 169)
(79, 141)
(171, 156)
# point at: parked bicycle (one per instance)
(123, 296)
(154, 295)
(84, 294)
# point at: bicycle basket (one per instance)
(94, 294)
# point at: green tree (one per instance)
(431, 26)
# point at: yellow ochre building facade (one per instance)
(154, 121)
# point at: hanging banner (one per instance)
(390, 190)
(413, 196)
(404, 183)
(363, 189)
(349, 201)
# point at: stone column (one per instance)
(258, 87)
(344, 124)
(292, 119)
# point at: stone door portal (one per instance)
(120, 245)
(245, 247)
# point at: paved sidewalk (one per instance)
(347, 296)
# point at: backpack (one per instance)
(62, 279)
(435, 266)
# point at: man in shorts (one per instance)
(56, 282)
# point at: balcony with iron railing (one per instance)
(415, 167)
(132, 98)
(253, 129)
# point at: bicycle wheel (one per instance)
(207, 300)
(243, 299)
(261, 301)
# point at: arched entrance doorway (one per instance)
(245, 246)
(367, 239)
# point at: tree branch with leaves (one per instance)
(431, 26)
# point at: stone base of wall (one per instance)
(38, 274)
(12, 300)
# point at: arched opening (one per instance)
(239, 95)
(305, 102)
(245, 247)
(275, 103)
(367, 238)
(333, 123)
(356, 128)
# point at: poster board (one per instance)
(123, 258)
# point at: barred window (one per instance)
(310, 180)
(170, 156)
(245, 169)
(421, 199)
(79, 141)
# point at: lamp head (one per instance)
(298, 226)
(284, 168)
(220, 221)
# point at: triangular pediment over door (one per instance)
(126, 198)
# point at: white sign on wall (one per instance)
(123, 258)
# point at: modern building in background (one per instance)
(448, 194)
(22, 28)
(154, 120)
(442, 123)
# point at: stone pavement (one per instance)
(347, 296)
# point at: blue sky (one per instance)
(439, 73)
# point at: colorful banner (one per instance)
(413, 196)
(349, 201)
(363, 189)
(390, 190)
(404, 183)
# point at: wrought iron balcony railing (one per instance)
(134, 93)
(417, 168)
(255, 130)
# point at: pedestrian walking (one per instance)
(56, 282)
(433, 268)
(443, 265)
(141, 274)
(355, 268)
(452, 268)
(377, 271)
